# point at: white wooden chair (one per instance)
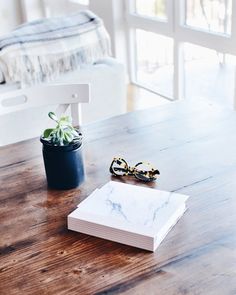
(63, 95)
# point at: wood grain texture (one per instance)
(192, 144)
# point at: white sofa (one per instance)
(108, 98)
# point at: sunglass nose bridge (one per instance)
(131, 169)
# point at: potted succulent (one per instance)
(62, 154)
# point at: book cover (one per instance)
(128, 214)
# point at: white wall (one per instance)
(10, 15)
(61, 7)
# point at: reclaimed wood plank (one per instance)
(193, 145)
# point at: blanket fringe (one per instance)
(30, 70)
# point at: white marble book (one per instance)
(128, 214)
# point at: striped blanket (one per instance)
(41, 50)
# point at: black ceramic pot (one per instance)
(63, 165)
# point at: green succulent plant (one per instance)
(64, 133)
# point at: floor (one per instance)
(209, 76)
(204, 78)
(139, 98)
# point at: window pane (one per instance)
(210, 15)
(208, 74)
(152, 8)
(155, 62)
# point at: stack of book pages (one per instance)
(128, 214)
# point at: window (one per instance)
(155, 62)
(208, 74)
(212, 16)
(170, 41)
(152, 8)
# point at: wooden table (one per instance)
(193, 145)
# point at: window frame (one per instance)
(181, 33)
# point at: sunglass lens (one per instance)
(145, 172)
(119, 167)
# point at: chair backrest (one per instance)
(62, 95)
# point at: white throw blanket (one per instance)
(41, 50)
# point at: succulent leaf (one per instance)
(47, 132)
(53, 116)
(64, 133)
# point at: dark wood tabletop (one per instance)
(194, 147)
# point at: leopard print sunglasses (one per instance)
(142, 170)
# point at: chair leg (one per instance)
(61, 109)
(76, 114)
